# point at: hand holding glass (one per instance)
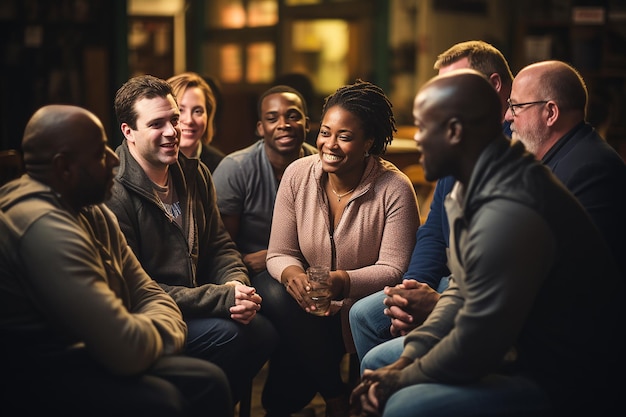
(319, 277)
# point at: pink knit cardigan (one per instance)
(373, 240)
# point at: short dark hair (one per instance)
(135, 89)
(371, 106)
(278, 89)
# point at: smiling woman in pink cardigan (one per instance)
(350, 210)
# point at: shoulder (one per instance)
(302, 171)
(241, 159)
(386, 173)
(309, 149)
(304, 163)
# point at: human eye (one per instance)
(199, 111)
(174, 121)
(324, 133)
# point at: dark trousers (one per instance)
(309, 353)
(73, 385)
(240, 350)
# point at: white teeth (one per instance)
(330, 157)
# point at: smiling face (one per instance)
(283, 124)
(193, 120)
(154, 143)
(430, 138)
(341, 141)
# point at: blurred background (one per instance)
(81, 51)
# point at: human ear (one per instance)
(553, 113)
(127, 131)
(454, 130)
(62, 166)
(496, 81)
(259, 129)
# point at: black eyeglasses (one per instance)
(530, 103)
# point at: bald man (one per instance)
(395, 311)
(547, 111)
(85, 331)
(517, 332)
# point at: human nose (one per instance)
(283, 122)
(171, 130)
(508, 114)
(330, 141)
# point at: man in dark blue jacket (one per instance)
(427, 272)
(547, 111)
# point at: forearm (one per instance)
(208, 300)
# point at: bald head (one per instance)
(464, 94)
(558, 99)
(66, 148)
(553, 80)
(55, 129)
(457, 114)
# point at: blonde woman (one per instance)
(197, 104)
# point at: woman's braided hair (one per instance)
(371, 106)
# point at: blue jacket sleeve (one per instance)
(429, 260)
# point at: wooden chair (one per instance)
(11, 165)
(424, 189)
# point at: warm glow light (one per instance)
(320, 48)
(263, 13)
(233, 16)
(230, 58)
(261, 57)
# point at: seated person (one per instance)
(85, 331)
(350, 210)
(547, 110)
(198, 105)
(507, 336)
(246, 180)
(165, 203)
(409, 303)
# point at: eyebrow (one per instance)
(162, 119)
(158, 119)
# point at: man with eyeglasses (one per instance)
(547, 110)
(521, 330)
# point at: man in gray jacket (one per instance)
(519, 331)
(85, 331)
(167, 209)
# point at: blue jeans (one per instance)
(494, 395)
(369, 325)
(240, 350)
(383, 354)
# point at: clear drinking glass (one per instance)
(320, 290)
